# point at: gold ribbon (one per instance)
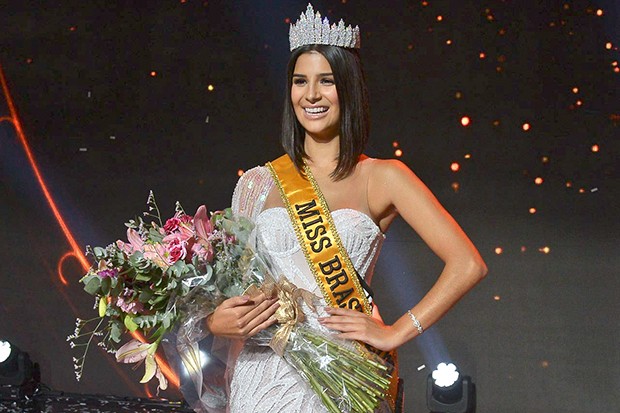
(290, 313)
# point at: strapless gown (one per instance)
(262, 381)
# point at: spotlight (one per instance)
(16, 369)
(448, 391)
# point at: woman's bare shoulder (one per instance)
(387, 169)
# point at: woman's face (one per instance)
(314, 96)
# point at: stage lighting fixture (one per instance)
(15, 366)
(448, 391)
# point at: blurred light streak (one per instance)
(35, 168)
(76, 250)
(61, 261)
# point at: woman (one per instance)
(325, 126)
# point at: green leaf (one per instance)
(105, 285)
(99, 252)
(159, 302)
(150, 367)
(92, 285)
(155, 235)
(130, 324)
(116, 331)
(103, 305)
(143, 277)
(145, 296)
(117, 286)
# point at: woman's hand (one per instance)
(354, 325)
(242, 317)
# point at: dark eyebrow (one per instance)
(320, 74)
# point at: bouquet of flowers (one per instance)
(169, 275)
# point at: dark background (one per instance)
(540, 334)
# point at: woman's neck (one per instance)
(322, 153)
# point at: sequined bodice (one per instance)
(275, 237)
(263, 381)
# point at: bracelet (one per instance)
(416, 323)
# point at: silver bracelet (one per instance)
(416, 323)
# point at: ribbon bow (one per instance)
(289, 313)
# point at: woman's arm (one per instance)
(242, 317)
(394, 187)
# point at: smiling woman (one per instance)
(320, 213)
(315, 98)
(349, 83)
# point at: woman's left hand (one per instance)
(355, 325)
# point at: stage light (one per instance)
(15, 366)
(448, 391)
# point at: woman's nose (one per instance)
(313, 94)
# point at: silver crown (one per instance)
(309, 29)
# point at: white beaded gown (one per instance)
(262, 381)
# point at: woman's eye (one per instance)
(327, 81)
(299, 81)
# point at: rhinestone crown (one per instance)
(309, 29)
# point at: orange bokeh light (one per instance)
(575, 90)
(499, 250)
(595, 148)
(398, 152)
(532, 210)
(153, 73)
(465, 121)
(526, 127)
(455, 166)
(240, 172)
(538, 180)
(482, 55)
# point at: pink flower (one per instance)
(203, 250)
(202, 223)
(111, 273)
(157, 254)
(129, 305)
(135, 242)
(172, 224)
(177, 246)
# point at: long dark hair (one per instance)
(354, 110)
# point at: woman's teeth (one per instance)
(316, 110)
